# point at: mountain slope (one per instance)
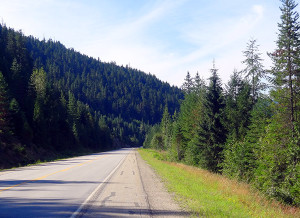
(106, 87)
(61, 101)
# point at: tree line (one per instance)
(54, 100)
(248, 129)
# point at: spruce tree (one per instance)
(214, 123)
(278, 158)
(286, 60)
(238, 106)
(254, 71)
(177, 139)
(187, 86)
(198, 84)
(165, 126)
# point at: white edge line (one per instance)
(96, 189)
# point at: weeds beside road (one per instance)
(212, 195)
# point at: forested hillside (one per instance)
(249, 128)
(55, 100)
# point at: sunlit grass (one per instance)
(212, 195)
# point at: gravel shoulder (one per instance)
(134, 190)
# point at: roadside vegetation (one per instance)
(207, 194)
(249, 128)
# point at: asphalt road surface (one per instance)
(109, 184)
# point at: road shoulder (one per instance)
(162, 203)
(134, 190)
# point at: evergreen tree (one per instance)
(241, 155)
(188, 120)
(278, 172)
(198, 83)
(286, 60)
(17, 118)
(38, 81)
(254, 69)
(72, 109)
(5, 116)
(213, 125)
(238, 106)
(176, 151)
(187, 86)
(165, 126)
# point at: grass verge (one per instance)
(211, 195)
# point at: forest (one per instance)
(55, 101)
(249, 128)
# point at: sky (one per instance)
(166, 38)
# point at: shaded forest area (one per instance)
(248, 129)
(55, 101)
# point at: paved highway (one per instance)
(107, 184)
(57, 188)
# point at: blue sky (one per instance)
(166, 38)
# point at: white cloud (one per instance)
(223, 40)
(127, 43)
(142, 39)
(258, 9)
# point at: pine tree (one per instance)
(187, 86)
(165, 126)
(286, 60)
(177, 139)
(38, 81)
(214, 126)
(238, 106)
(198, 84)
(254, 71)
(72, 108)
(239, 156)
(278, 158)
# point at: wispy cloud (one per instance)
(128, 42)
(166, 38)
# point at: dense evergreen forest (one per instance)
(54, 100)
(248, 129)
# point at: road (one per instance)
(109, 184)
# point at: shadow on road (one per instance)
(132, 212)
(24, 207)
(26, 183)
(55, 207)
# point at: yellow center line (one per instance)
(43, 177)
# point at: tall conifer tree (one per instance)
(254, 71)
(216, 132)
(187, 86)
(286, 59)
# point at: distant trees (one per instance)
(5, 116)
(56, 100)
(198, 130)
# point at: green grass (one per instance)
(211, 195)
